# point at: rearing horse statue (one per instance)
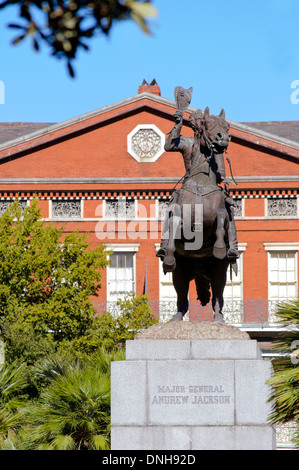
(203, 210)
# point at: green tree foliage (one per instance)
(46, 280)
(12, 383)
(285, 380)
(66, 25)
(73, 411)
(110, 331)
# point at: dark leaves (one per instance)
(61, 23)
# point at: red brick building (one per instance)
(111, 162)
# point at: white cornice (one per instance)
(281, 246)
(140, 180)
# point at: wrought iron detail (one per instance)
(146, 143)
(66, 209)
(284, 434)
(238, 207)
(236, 312)
(163, 206)
(282, 207)
(5, 204)
(120, 209)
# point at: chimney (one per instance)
(152, 87)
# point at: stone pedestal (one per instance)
(191, 386)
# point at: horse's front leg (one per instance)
(218, 281)
(217, 304)
(181, 281)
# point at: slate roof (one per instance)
(13, 130)
(286, 129)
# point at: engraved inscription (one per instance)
(191, 394)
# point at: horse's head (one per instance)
(212, 130)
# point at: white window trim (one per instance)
(281, 246)
(160, 273)
(126, 247)
(121, 248)
(241, 248)
(287, 247)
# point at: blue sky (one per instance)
(240, 55)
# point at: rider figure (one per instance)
(178, 142)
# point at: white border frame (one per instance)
(134, 131)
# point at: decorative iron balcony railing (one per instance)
(236, 312)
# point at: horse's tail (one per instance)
(203, 289)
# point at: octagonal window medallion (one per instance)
(146, 143)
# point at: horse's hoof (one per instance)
(169, 264)
(218, 317)
(177, 317)
(219, 253)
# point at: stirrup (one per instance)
(161, 253)
(232, 254)
(169, 264)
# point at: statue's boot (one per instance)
(219, 252)
(232, 254)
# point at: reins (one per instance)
(230, 168)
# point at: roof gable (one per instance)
(48, 134)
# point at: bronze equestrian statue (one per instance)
(202, 204)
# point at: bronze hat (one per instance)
(182, 97)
